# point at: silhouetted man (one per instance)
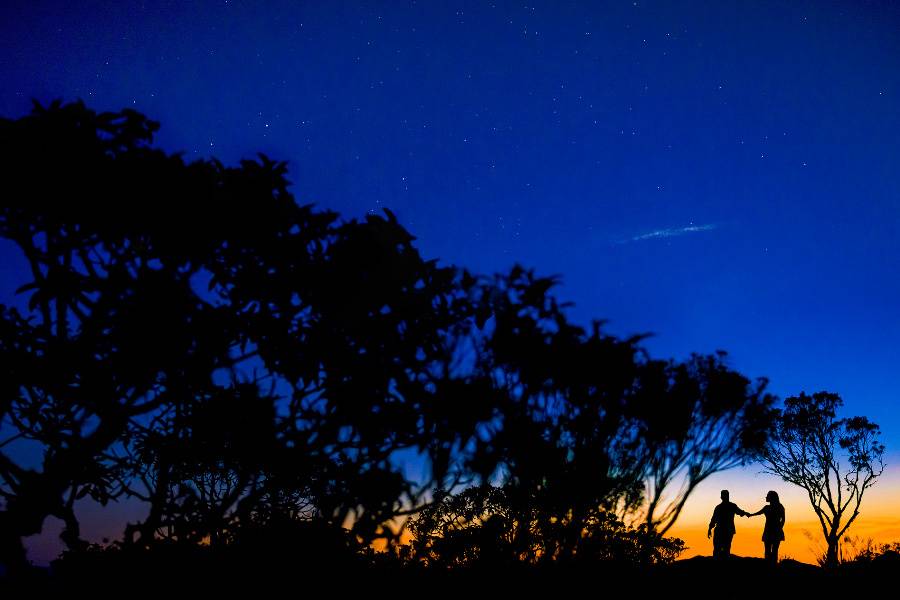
(723, 521)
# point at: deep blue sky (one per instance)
(725, 175)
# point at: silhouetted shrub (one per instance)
(490, 526)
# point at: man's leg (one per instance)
(726, 545)
(721, 544)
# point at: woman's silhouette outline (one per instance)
(773, 532)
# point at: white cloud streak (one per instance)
(672, 232)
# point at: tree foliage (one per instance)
(192, 338)
(491, 526)
(835, 460)
(696, 418)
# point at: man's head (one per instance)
(724, 495)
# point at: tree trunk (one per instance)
(71, 534)
(831, 555)
(12, 552)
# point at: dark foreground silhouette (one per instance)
(700, 577)
(256, 374)
(189, 337)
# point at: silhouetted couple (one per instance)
(723, 523)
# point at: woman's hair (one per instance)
(772, 497)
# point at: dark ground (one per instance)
(698, 577)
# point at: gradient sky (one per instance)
(723, 175)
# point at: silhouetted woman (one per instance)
(773, 533)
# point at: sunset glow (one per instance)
(878, 519)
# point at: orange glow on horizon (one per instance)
(879, 518)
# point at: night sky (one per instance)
(723, 175)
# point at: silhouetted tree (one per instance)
(114, 327)
(195, 339)
(561, 437)
(835, 460)
(588, 422)
(383, 337)
(206, 467)
(694, 419)
(162, 292)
